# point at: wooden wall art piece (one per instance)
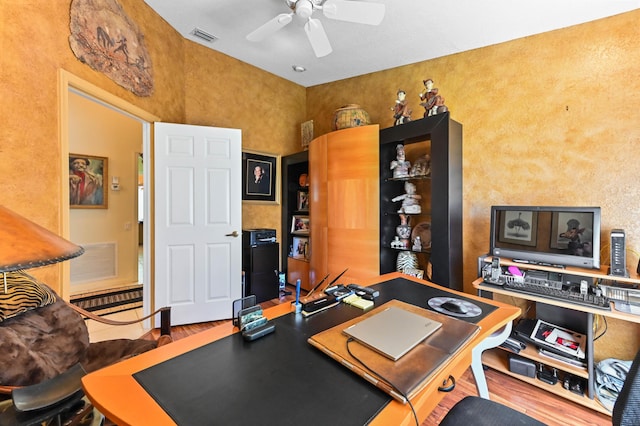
(103, 37)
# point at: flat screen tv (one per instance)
(558, 236)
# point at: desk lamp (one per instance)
(25, 244)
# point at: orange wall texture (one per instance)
(548, 119)
(193, 85)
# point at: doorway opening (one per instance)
(70, 86)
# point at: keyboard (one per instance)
(591, 300)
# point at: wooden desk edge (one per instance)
(106, 387)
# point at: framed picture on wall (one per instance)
(87, 177)
(260, 177)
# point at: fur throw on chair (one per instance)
(45, 341)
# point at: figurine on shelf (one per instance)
(396, 243)
(401, 110)
(417, 244)
(406, 260)
(409, 200)
(422, 166)
(400, 165)
(404, 230)
(432, 102)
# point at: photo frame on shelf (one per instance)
(88, 175)
(300, 248)
(300, 225)
(303, 201)
(519, 227)
(260, 177)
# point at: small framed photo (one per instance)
(300, 248)
(87, 177)
(303, 201)
(300, 225)
(260, 178)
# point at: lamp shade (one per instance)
(25, 244)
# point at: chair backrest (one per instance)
(626, 411)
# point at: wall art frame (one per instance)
(260, 178)
(88, 175)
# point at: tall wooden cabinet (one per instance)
(440, 138)
(344, 203)
(353, 219)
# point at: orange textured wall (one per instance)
(550, 119)
(193, 85)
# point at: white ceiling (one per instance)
(411, 31)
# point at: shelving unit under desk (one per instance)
(498, 358)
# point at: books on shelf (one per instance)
(569, 361)
(559, 340)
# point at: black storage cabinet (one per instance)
(260, 265)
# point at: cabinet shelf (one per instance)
(428, 251)
(497, 359)
(440, 137)
(407, 178)
(563, 311)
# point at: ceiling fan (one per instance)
(342, 10)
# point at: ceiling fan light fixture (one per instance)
(304, 9)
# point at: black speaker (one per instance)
(523, 366)
(618, 254)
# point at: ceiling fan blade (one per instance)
(317, 37)
(354, 11)
(270, 27)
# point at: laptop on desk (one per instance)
(392, 332)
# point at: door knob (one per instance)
(233, 234)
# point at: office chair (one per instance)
(480, 412)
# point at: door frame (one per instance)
(70, 82)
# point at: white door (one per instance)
(198, 221)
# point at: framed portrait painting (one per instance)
(87, 178)
(260, 178)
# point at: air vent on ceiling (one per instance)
(209, 38)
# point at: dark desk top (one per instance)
(279, 379)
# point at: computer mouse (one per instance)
(454, 307)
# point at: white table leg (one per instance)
(476, 357)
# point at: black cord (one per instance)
(415, 415)
(606, 327)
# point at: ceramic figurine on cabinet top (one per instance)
(432, 102)
(409, 200)
(401, 110)
(400, 165)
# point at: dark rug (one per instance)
(110, 301)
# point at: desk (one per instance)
(118, 395)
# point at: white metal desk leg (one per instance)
(476, 357)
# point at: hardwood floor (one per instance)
(535, 402)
